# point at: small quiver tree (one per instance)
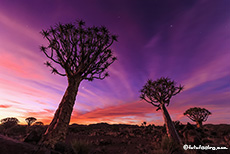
(8, 123)
(84, 54)
(38, 123)
(198, 115)
(30, 120)
(158, 93)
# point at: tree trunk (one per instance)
(56, 132)
(170, 128)
(199, 124)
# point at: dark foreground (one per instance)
(117, 139)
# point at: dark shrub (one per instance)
(18, 130)
(81, 146)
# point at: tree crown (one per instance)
(81, 51)
(159, 91)
(30, 120)
(38, 123)
(9, 122)
(197, 114)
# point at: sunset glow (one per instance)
(185, 41)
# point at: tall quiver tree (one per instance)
(198, 115)
(84, 53)
(158, 93)
(30, 120)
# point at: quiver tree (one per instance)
(197, 115)
(158, 93)
(9, 123)
(38, 123)
(83, 53)
(144, 123)
(30, 120)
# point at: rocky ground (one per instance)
(120, 139)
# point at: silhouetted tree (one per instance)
(158, 93)
(178, 125)
(84, 53)
(30, 120)
(144, 123)
(38, 123)
(9, 122)
(198, 115)
(177, 122)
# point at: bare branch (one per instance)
(79, 50)
(54, 70)
(156, 105)
(43, 49)
(159, 91)
(197, 114)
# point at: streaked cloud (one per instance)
(187, 42)
(5, 106)
(18, 27)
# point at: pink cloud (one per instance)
(137, 112)
(5, 106)
(134, 109)
(19, 65)
(45, 115)
(27, 81)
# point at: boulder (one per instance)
(33, 137)
(192, 137)
(63, 148)
(11, 146)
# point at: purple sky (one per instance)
(184, 40)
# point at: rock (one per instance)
(192, 137)
(11, 146)
(189, 126)
(227, 139)
(105, 141)
(207, 141)
(33, 137)
(213, 133)
(64, 148)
